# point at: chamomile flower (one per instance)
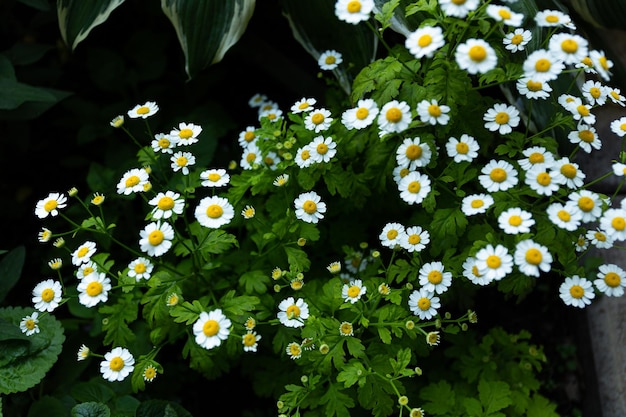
(476, 56)
(250, 341)
(214, 212)
(55, 264)
(356, 262)
(576, 291)
(470, 271)
(164, 143)
(257, 100)
(568, 47)
(540, 179)
(458, 8)
(117, 364)
(309, 207)
(415, 239)
(616, 96)
(414, 187)
(156, 238)
(353, 291)
(567, 101)
(581, 111)
(498, 176)
(44, 235)
(594, 92)
(149, 373)
(86, 269)
(515, 221)
(494, 262)
(273, 114)
(585, 137)
(611, 280)
(613, 223)
(601, 63)
(541, 65)
(211, 328)
(589, 204)
(517, 40)
(215, 177)
(502, 118)
(166, 204)
(462, 149)
(424, 304)
(293, 313)
(425, 41)
(281, 180)
(391, 235)
(186, 133)
(97, 199)
(251, 157)
(568, 173)
(322, 149)
(30, 324)
(133, 181)
(83, 353)
(83, 253)
(599, 239)
(318, 120)
(94, 289)
(505, 15)
(353, 11)
(581, 244)
(50, 205)
(181, 161)
(360, 116)
(565, 216)
(394, 117)
(532, 258)
(47, 295)
(618, 126)
(400, 172)
(413, 153)
(334, 267)
(117, 122)
(294, 350)
(433, 278)
(271, 160)
(432, 112)
(140, 268)
(248, 212)
(304, 157)
(476, 204)
(329, 60)
(346, 329)
(149, 108)
(533, 89)
(303, 105)
(535, 155)
(619, 169)
(247, 136)
(553, 18)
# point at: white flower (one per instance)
(565, 216)
(501, 117)
(50, 205)
(531, 258)
(618, 127)
(541, 65)
(553, 18)
(318, 120)
(156, 238)
(247, 136)
(140, 268)
(181, 161)
(576, 291)
(594, 92)
(414, 187)
(498, 176)
(214, 177)
(601, 64)
(515, 221)
(599, 239)
(250, 341)
(536, 155)
(458, 8)
(30, 324)
(413, 153)
(86, 269)
(533, 89)
(166, 204)
(94, 289)
(433, 278)
(164, 143)
(476, 204)
(424, 304)
(281, 180)
(303, 105)
(322, 149)
(568, 173)
(211, 329)
(415, 239)
(505, 15)
(133, 181)
(494, 262)
(391, 235)
(470, 271)
(616, 97)
(353, 291)
(83, 253)
(432, 113)
(186, 133)
(540, 179)
(360, 116)
(309, 207)
(613, 223)
(585, 137)
(568, 47)
(117, 364)
(214, 212)
(293, 312)
(143, 110)
(463, 149)
(611, 280)
(581, 111)
(516, 41)
(394, 117)
(251, 156)
(303, 157)
(353, 11)
(588, 203)
(476, 56)
(329, 60)
(424, 41)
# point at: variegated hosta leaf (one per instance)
(207, 29)
(78, 17)
(316, 27)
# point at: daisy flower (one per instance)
(458, 8)
(214, 177)
(585, 137)
(353, 291)
(619, 169)
(424, 304)
(567, 101)
(346, 329)
(47, 295)
(552, 18)
(44, 235)
(400, 172)
(581, 111)
(540, 179)
(394, 117)
(494, 262)
(257, 100)
(414, 187)
(463, 149)
(618, 127)
(292, 313)
(133, 181)
(476, 204)
(613, 223)
(432, 339)
(166, 204)
(565, 216)
(531, 258)
(156, 238)
(309, 207)
(322, 149)
(329, 60)
(432, 113)
(83, 353)
(588, 203)
(415, 239)
(587, 65)
(117, 364)
(498, 176)
(517, 40)
(616, 97)
(97, 199)
(505, 15)
(248, 212)
(94, 289)
(117, 122)
(476, 56)
(599, 239)
(214, 212)
(304, 157)
(83, 253)
(30, 324)
(581, 244)
(542, 65)
(271, 160)
(149, 373)
(164, 143)
(86, 269)
(50, 205)
(181, 161)
(247, 136)
(568, 173)
(273, 114)
(567, 47)
(533, 89)
(281, 180)
(186, 133)
(594, 92)
(412, 153)
(318, 120)
(601, 63)
(360, 116)
(251, 157)
(140, 268)
(424, 41)
(294, 350)
(515, 221)
(211, 328)
(576, 291)
(356, 262)
(149, 108)
(353, 11)
(470, 271)
(611, 280)
(502, 118)
(250, 341)
(334, 267)
(433, 278)
(303, 105)
(55, 264)
(391, 235)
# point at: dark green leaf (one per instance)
(10, 270)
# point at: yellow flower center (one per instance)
(249, 136)
(330, 60)
(214, 211)
(462, 148)
(404, 172)
(413, 152)
(354, 7)
(600, 237)
(414, 187)
(564, 215)
(414, 239)
(394, 115)
(47, 295)
(392, 234)
(586, 204)
(595, 92)
(615, 95)
(604, 63)
(353, 291)
(210, 328)
(303, 106)
(612, 279)
(116, 364)
(543, 65)
(305, 154)
(185, 133)
(544, 179)
(132, 181)
(569, 171)
(249, 339)
(534, 256)
(87, 270)
(362, 113)
(322, 149)
(214, 177)
(156, 237)
(494, 261)
(143, 110)
(618, 223)
(50, 205)
(622, 126)
(459, 2)
(504, 14)
(309, 207)
(552, 18)
(166, 203)
(269, 160)
(346, 328)
(517, 39)
(582, 110)
(569, 46)
(475, 271)
(435, 277)
(149, 373)
(293, 311)
(477, 203)
(424, 40)
(317, 118)
(94, 288)
(498, 175)
(536, 158)
(477, 53)
(515, 220)
(434, 110)
(423, 303)
(534, 85)
(586, 135)
(30, 324)
(140, 268)
(181, 161)
(82, 252)
(577, 291)
(250, 157)
(502, 118)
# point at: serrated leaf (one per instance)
(78, 17)
(439, 398)
(494, 395)
(353, 372)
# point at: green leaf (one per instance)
(46, 406)
(541, 407)
(10, 270)
(78, 17)
(353, 372)
(207, 30)
(439, 398)
(90, 409)
(297, 258)
(494, 395)
(92, 391)
(255, 282)
(24, 366)
(161, 408)
(118, 316)
(337, 402)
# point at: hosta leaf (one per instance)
(206, 30)
(78, 17)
